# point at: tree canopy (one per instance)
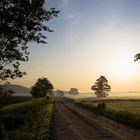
(21, 22)
(101, 87)
(73, 91)
(41, 88)
(59, 92)
(137, 57)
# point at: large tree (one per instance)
(101, 87)
(21, 22)
(41, 88)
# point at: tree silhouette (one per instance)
(59, 92)
(21, 22)
(41, 88)
(73, 91)
(101, 87)
(137, 57)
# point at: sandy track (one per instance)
(74, 123)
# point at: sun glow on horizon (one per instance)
(123, 66)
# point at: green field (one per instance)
(24, 120)
(131, 106)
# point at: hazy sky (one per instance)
(90, 38)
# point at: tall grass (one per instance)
(22, 120)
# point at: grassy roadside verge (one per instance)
(128, 118)
(24, 121)
(45, 124)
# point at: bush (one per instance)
(101, 106)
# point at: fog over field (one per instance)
(21, 94)
(127, 95)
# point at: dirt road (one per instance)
(71, 122)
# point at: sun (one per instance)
(123, 67)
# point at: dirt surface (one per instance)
(74, 123)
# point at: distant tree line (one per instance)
(73, 91)
(59, 92)
(44, 87)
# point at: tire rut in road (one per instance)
(102, 133)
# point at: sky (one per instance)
(91, 38)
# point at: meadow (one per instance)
(128, 105)
(13, 99)
(24, 120)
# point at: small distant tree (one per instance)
(59, 92)
(101, 87)
(41, 88)
(73, 91)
